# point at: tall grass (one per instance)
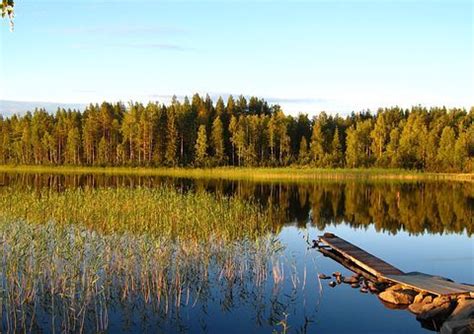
(69, 257)
(295, 174)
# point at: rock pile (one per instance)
(451, 314)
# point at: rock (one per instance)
(337, 274)
(463, 297)
(355, 285)
(339, 279)
(419, 298)
(351, 280)
(364, 290)
(463, 310)
(323, 276)
(440, 300)
(399, 297)
(465, 326)
(332, 284)
(438, 309)
(427, 300)
(419, 302)
(461, 320)
(416, 308)
(372, 287)
(395, 287)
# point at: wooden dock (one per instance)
(370, 266)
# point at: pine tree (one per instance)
(201, 146)
(171, 139)
(218, 140)
(72, 146)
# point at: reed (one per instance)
(263, 174)
(71, 256)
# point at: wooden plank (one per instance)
(432, 284)
(363, 259)
(346, 263)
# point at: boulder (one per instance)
(323, 276)
(440, 308)
(332, 284)
(395, 287)
(364, 290)
(355, 285)
(398, 297)
(427, 300)
(463, 310)
(461, 320)
(465, 326)
(419, 298)
(416, 308)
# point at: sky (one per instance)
(307, 56)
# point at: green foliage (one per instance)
(240, 133)
(201, 146)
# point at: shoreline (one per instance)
(249, 173)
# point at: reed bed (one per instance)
(68, 258)
(261, 174)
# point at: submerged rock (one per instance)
(398, 297)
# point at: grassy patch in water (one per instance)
(256, 174)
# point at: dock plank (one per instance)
(365, 260)
(432, 284)
(350, 255)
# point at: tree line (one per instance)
(239, 132)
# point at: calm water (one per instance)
(416, 226)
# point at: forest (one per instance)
(239, 132)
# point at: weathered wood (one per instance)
(352, 257)
(363, 259)
(346, 263)
(432, 284)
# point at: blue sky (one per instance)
(308, 56)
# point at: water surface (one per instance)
(416, 226)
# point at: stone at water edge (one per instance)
(332, 284)
(395, 287)
(439, 309)
(351, 280)
(355, 285)
(419, 302)
(401, 297)
(463, 310)
(416, 308)
(419, 298)
(323, 276)
(364, 290)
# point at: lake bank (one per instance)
(294, 174)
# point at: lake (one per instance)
(260, 283)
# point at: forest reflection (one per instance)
(416, 207)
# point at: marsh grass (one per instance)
(262, 174)
(70, 257)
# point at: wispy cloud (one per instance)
(123, 30)
(132, 45)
